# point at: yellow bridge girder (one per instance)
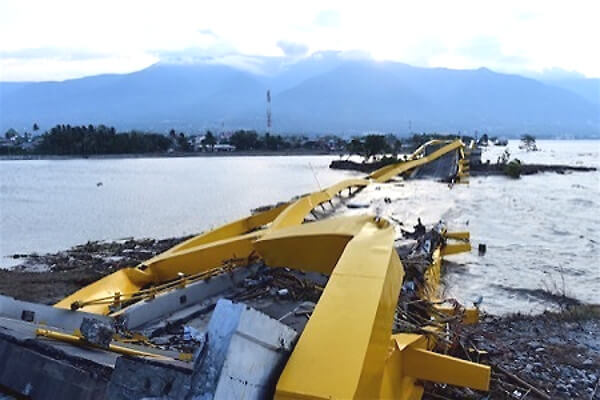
(342, 349)
(297, 211)
(218, 245)
(385, 174)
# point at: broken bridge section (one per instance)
(218, 315)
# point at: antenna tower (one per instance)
(268, 111)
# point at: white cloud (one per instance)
(48, 40)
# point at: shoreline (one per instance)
(275, 153)
(555, 352)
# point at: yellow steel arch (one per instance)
(346, 350)
(341, 352)
(200, 253)
(385, 174)
(211, 249)
(297, 211)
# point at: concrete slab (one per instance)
(245, 353)
(38, 370)
(137, 378)
(65, 320)
(145, 312)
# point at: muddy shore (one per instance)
(555, 353)
(50, 277)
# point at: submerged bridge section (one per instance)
(346, 349)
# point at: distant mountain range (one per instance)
(324, 93)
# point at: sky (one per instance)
(62, 39)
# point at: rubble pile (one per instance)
(50, 277)
(555, 355)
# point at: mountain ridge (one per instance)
(320, 94)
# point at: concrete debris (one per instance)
(138, 378)
(191, 333)
(97, 332)
(246, 351)
(241, 353)
(48, 315)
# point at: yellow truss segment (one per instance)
(387, 173)
(126, 280)
(465, 235)
(409, 360)
(165, 267)
(227, 231)
(312, 247)
(455, 248)
(202, 252)
(79, 341)
(344, 344)
(297, 211)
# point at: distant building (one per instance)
(223, 147)
(196, 142)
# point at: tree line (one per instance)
(101, 139)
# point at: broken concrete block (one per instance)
(139, 378)
(97, 332)
(244, 354)
(30, 371)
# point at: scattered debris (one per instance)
(481, 249)
(357, 205)
(97, 332)
(553, 355)
(48, 278)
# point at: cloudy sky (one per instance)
(60, 39)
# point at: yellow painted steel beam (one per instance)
(164, 267)
(342, 349)
(395, 383)
(126, 280)
(409, 361)
(227, 231)
(470, 317)
(311, 247)
(465, 235)
(203, 257)
(297, 211)
(440, 368)
(408, 165)
(79, 341)
(455, 248)
(432, 278)
(190, 257)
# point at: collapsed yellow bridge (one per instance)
(347, 349)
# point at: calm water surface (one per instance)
(50, 205)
